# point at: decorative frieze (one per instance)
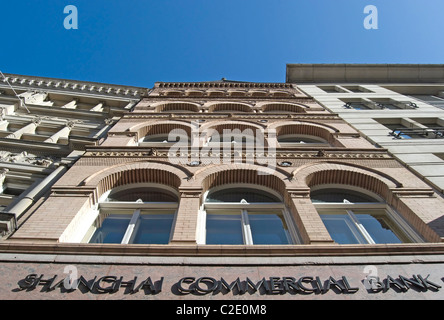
(153, 152)
(207, 116)
(28, 82)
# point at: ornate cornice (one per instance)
(224, 88)
(212, 116)
(282, 155)
(73, 86)
(224, 84)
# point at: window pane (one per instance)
(239, 194)
(153, 228)
(224, 229)
(162, 138)
(378, 225)
(356, 106)
(112, 230)
(339, 196)
(341, 228)
(144, 194)
(298, 139)
(269, 228)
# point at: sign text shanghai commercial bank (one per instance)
(206, 285)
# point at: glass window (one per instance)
(153, 228)
(138, 215)
(163, 139)
(159, 138)
(381, 228)
(147, 227)
(245, 139)
(246, 227)
(224, 229)
(243, 215)
(300, 139)
(362, 226)
(331, 195)
(112, 229)
(434, 100)
(356, 106)
(268, 228)
(341, 228)
(239, 194)
(352, 217)
(142, 194)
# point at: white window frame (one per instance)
(235, 139)
(165, 143)
(349, 208)
(105, 207)
(320, 142)
(244, 208)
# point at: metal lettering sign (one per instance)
(209, 285)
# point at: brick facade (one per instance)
(345, 159)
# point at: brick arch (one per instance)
(230, 107)
(284, 107)
(139, 172)
(176, 106)
(347, 174)
(233, 124)
(214, 176)
(145, 129)
(306, 128)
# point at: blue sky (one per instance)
(139, 42)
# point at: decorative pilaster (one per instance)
(186, 219)
(308, 221)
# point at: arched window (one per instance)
(232, 138)
(165, 136)
(162, 140)
(283, 108)
(354, 216)
(177, 106)
(230, 135)
(304, 134)
(137, 213)
(300, 140)
(245, 214)
(230, 107)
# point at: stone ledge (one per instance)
(225, 251)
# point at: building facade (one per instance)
(45, 126)
(397, 107)
(230, 190)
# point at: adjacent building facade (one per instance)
(45, 126)
(397, 107)
(231, 190)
